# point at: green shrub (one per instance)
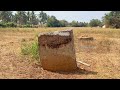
(25, 49)
(10, 24)
(2, 25)
(30, 49)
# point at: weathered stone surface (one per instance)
(57, 51)
(86, 44)
(86, 38)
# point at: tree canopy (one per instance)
(112, 19)
(95, 23)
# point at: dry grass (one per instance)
(103, 56)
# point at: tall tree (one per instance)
(95, 23)
(53, 22)
(6, 16)
(74, 23)
(28, 17)
(15, 18)
(34, 19)
(43, 17)
(21, 17)
(82, 24)
(63, 23)
(112, 19)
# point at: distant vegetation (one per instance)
(112, 19)
(95, 23)
(24, 19)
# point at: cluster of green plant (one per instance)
(9, 24)
(30, 49)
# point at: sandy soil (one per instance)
(15, 66)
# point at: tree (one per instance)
(82, 24)
(63, 23)
(15, 18)
(43, 18)
(74, 23)
(21, 17)
(28, 17)
(112, 19)
(53, 22)
(6, 16)
(95, 23)
(33, 19)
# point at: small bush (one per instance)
(11, 24)
(25, 49)
(30, 49)
(2, 25)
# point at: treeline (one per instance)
(19, 19)
(31, 19)
(109, 20)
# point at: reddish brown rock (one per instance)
(57, 51)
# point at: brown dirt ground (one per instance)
(15, 66)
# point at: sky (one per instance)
(81, 16)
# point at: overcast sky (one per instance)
(81, 16)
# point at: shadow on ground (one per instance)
(79, 71)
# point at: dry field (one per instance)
(103, 54)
